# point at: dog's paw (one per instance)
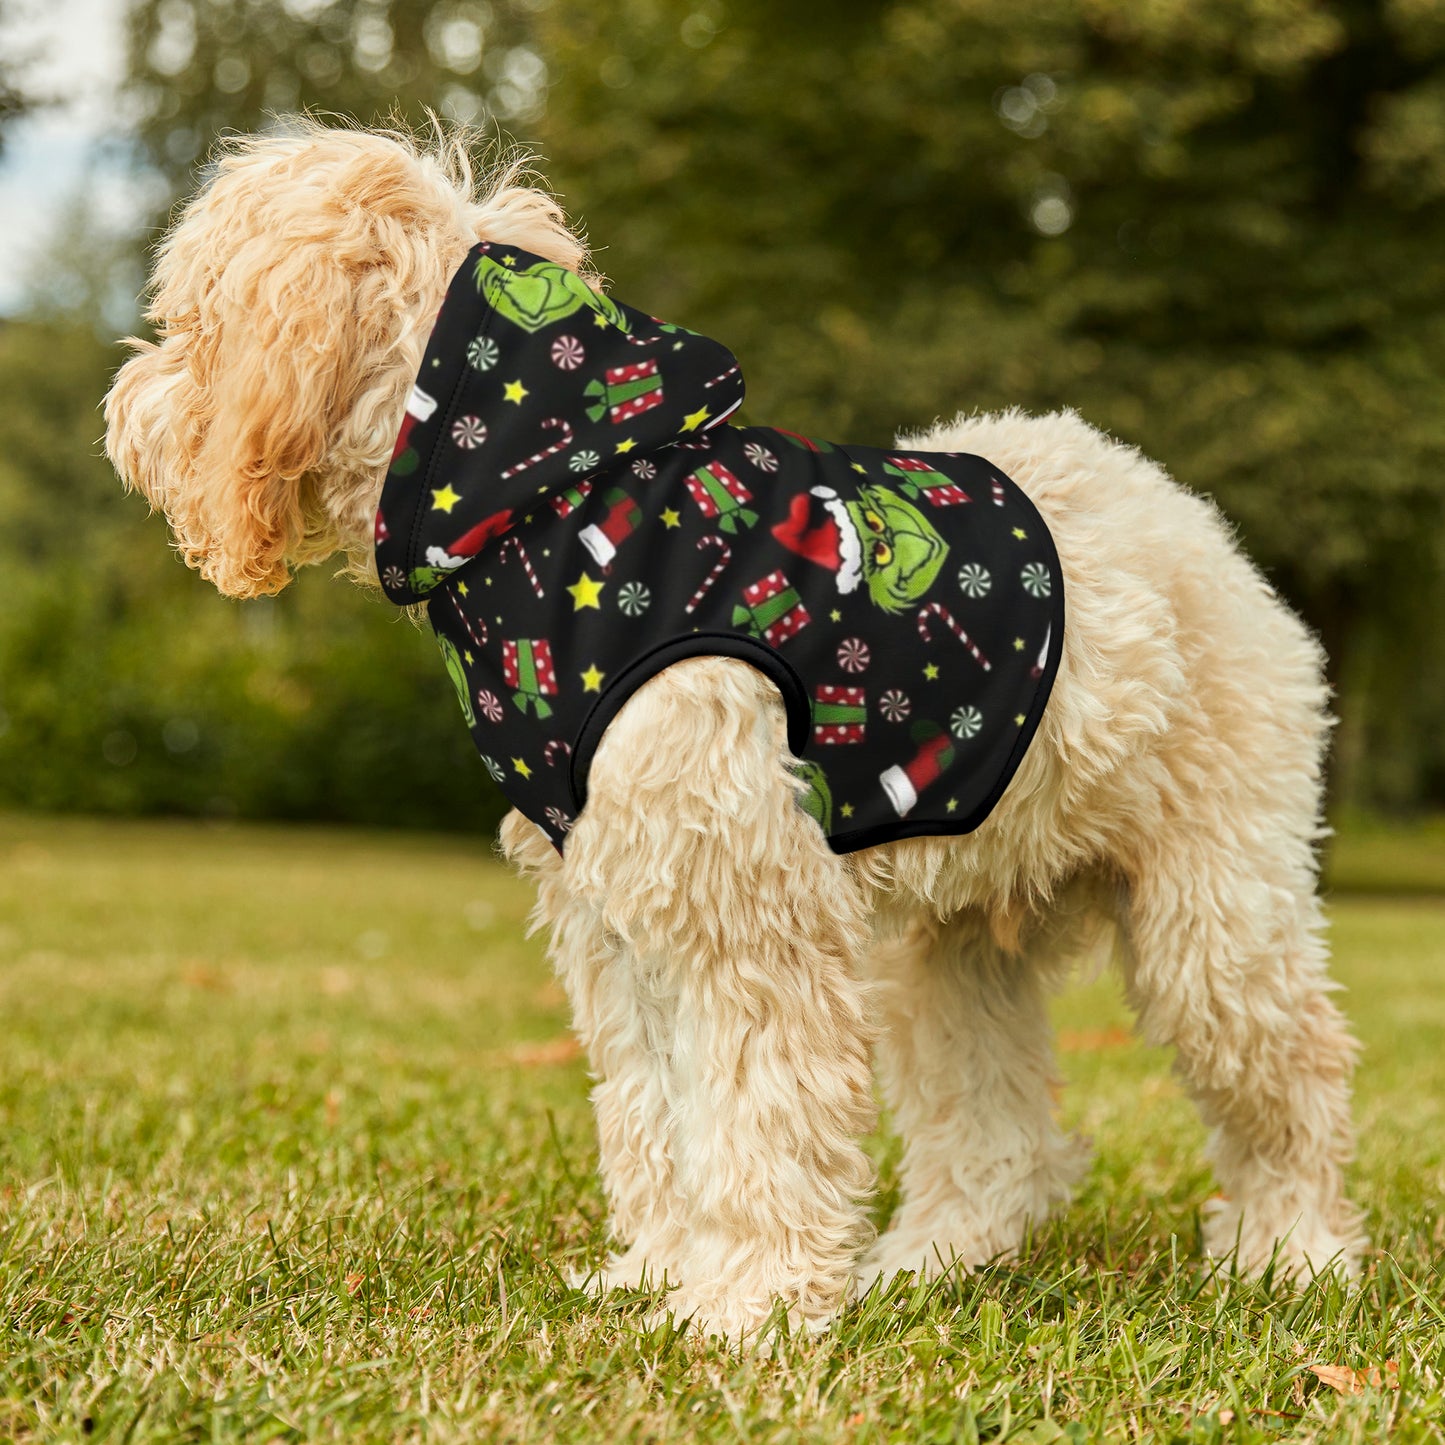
(892, 1258)
(1298, 1245)
(751, 1324)
(634, 1270)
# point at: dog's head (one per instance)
(292, 301)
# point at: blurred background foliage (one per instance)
(1214, 227)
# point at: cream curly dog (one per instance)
(730, 976)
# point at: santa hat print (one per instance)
(933, 752)
(419, 408)
(467, 546)
(602, 539)
(819, 529)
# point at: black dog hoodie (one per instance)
(569, 499)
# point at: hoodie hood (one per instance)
(532, 382)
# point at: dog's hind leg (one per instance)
(1226, 959)
(966, 1061)
(1227, 964)
(744, 930)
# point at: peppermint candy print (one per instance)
(490, 705)
(568, 353)
(853, 654)
(634, 599)
(394, 578)
(644, 469)
(760, 457)
(469, 432)
(973, 580)
(894, 705)
(495, 769)
(1036, 580)
(482, 353)
(584, 461)
(965, 723)
(559, 820)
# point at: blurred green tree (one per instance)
(14, 99)
(202, 67)
(127, 685)
(1216, 227)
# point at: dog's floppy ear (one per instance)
(221, 424)
(277, 358)
(293, 298)
(281, 298)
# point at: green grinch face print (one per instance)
(817, 802)
(453, 660)
(902, 554)
(540, 294)
(423, 579)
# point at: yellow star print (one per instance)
(671, 518)
(1018, 644)
(695, 419)
(444, 499)
(515, 391)
(952, 805)
(462, 588)
(846, 810)
(835, 616)
(468, 657)
(598, 319)
(592, 679)
(509, 260)
(1018, 720)
(1020, 533)
(625, 446)
(585, 592)
(930, 672)
(521, 766)
(859, 467)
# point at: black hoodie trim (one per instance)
(679, 649)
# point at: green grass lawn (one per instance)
(292, 1146)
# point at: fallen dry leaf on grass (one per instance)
(1088, 1041)
(1356, 1382)
(551, 1051)
(195, 974)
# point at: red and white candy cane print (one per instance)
(514, 545)
(1037, 670)
(937, 609)
(996, 487)
(552, 423)
(725, 555)
(480, 641)
(555, 749)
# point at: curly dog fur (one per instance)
(730, 977)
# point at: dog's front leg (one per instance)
(742, 931)
(624, 1025)
(966, 1060)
